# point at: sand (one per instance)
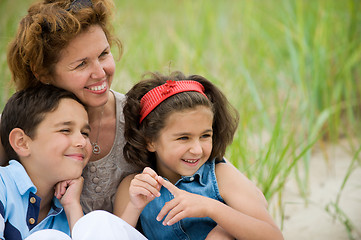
(327, 172)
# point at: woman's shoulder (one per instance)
(118, 96)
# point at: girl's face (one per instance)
(86, 67)
(60, 148)
(184, 144)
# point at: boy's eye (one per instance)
(65, 130)
(85, 134)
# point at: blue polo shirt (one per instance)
(19, 206)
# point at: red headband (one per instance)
(158, 94)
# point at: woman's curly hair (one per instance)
(48, 28)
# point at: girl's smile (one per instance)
(184, 144)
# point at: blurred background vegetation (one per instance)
(291, 68)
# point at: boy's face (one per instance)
(61, 147)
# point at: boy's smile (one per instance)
(60, 148)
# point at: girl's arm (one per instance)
(244, 215)
(68, 192)
(134, 193)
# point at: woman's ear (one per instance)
(19, 141)
(44, 80)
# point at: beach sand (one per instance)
(312, 222)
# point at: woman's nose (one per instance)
(98, 70)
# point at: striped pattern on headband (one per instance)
(158, 94)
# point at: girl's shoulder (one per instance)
(232, 182)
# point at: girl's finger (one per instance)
(141, 191)
(179, 216)
(174, 215)
(168, 185)
(144, 177)
(150, 171)
(168, 206)
(154, 190)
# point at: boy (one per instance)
(44, 131)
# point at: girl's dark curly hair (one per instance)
(137, 135)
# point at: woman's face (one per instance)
(86, 67)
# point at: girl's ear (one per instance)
(151, 146)
(19, 141)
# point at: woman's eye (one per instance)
(104, 53)
(80, 65)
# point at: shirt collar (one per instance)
(21, 178)
(200, 176)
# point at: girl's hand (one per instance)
(144, 188)
(68, 192)
(183, 205)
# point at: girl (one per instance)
(178, 128)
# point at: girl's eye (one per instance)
(182, 138)
(206, 135)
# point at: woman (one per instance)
(67, 44)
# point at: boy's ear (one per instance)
(150, 146)
(19, 141)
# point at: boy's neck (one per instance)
(46, 194)
(45, 191)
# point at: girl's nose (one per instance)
(196, 148)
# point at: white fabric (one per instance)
(97, 224)
(48, 234)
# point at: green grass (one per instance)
(291, 68)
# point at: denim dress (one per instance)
(204, 183)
